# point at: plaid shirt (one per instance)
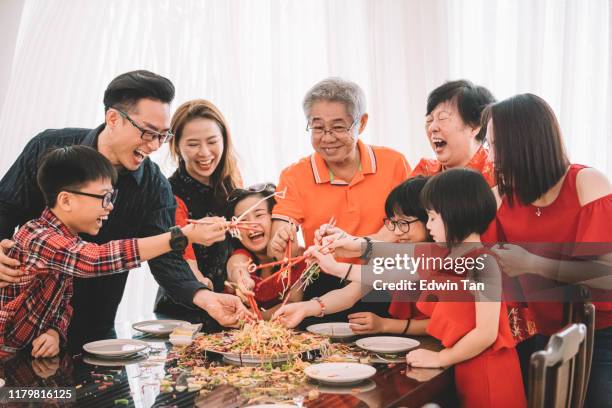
(51, 255)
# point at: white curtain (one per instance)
(256, 59)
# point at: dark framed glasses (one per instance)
(402, 225)
(146, 134)
(107, 199)
(261, 188)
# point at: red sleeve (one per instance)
(182, 215)
(76, 257)
(425, 167)
(594, 221)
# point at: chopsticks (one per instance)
(250, 299)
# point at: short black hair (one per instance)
(127, 89)
(405, 199)
(69, 168)
(470, 100)
(530, 157)
(239, 194)
(463, 199)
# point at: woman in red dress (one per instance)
(476, 334)
(545, 199)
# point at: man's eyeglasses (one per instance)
(240, 193)
(107, 199)
(335, 130)
(402, 225)
(146, 134)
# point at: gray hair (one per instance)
(335, 89)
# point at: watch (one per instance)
(178, 240)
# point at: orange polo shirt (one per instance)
(313, 195)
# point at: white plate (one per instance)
(340, 373)
(158, 326)
(387, 344)
(115, 362)
(366, 386)
(336, 330)
(115, 347)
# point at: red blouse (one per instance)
(268, 290)
(565, 220)
(480, 162)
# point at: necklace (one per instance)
(538, 212)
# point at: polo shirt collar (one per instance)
(91, 139)
(322, 173)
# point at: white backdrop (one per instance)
(255, 60)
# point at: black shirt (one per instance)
(201, 201)
(145, 206)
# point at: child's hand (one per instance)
(246, 284)
(206, 231)
(366, 323)
(285, 235)
(326, 261)
(290, 315)
(46, 345)
(424, 358)
(343, 244)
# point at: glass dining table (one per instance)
(149, 380)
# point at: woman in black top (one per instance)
(207, 171)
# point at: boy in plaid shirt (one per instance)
(74, 181)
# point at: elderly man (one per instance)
(344, 177)
(137, 118)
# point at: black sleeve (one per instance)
(20, 197)
(170, 270)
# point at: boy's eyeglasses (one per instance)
(402, 225)
(107, 199)
(239, 193)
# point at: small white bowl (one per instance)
(181, 340)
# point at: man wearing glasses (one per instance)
(137, 119)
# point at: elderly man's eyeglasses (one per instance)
(146, 134)
(402, 225)
(336, 130)
(107, 199)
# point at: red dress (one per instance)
(268, 290)
(565, 220)
(490, 379)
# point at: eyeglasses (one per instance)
(441, 116)
(240, 193)
(402, 225)
(146, 134)
(107, 199)
(334, 130)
